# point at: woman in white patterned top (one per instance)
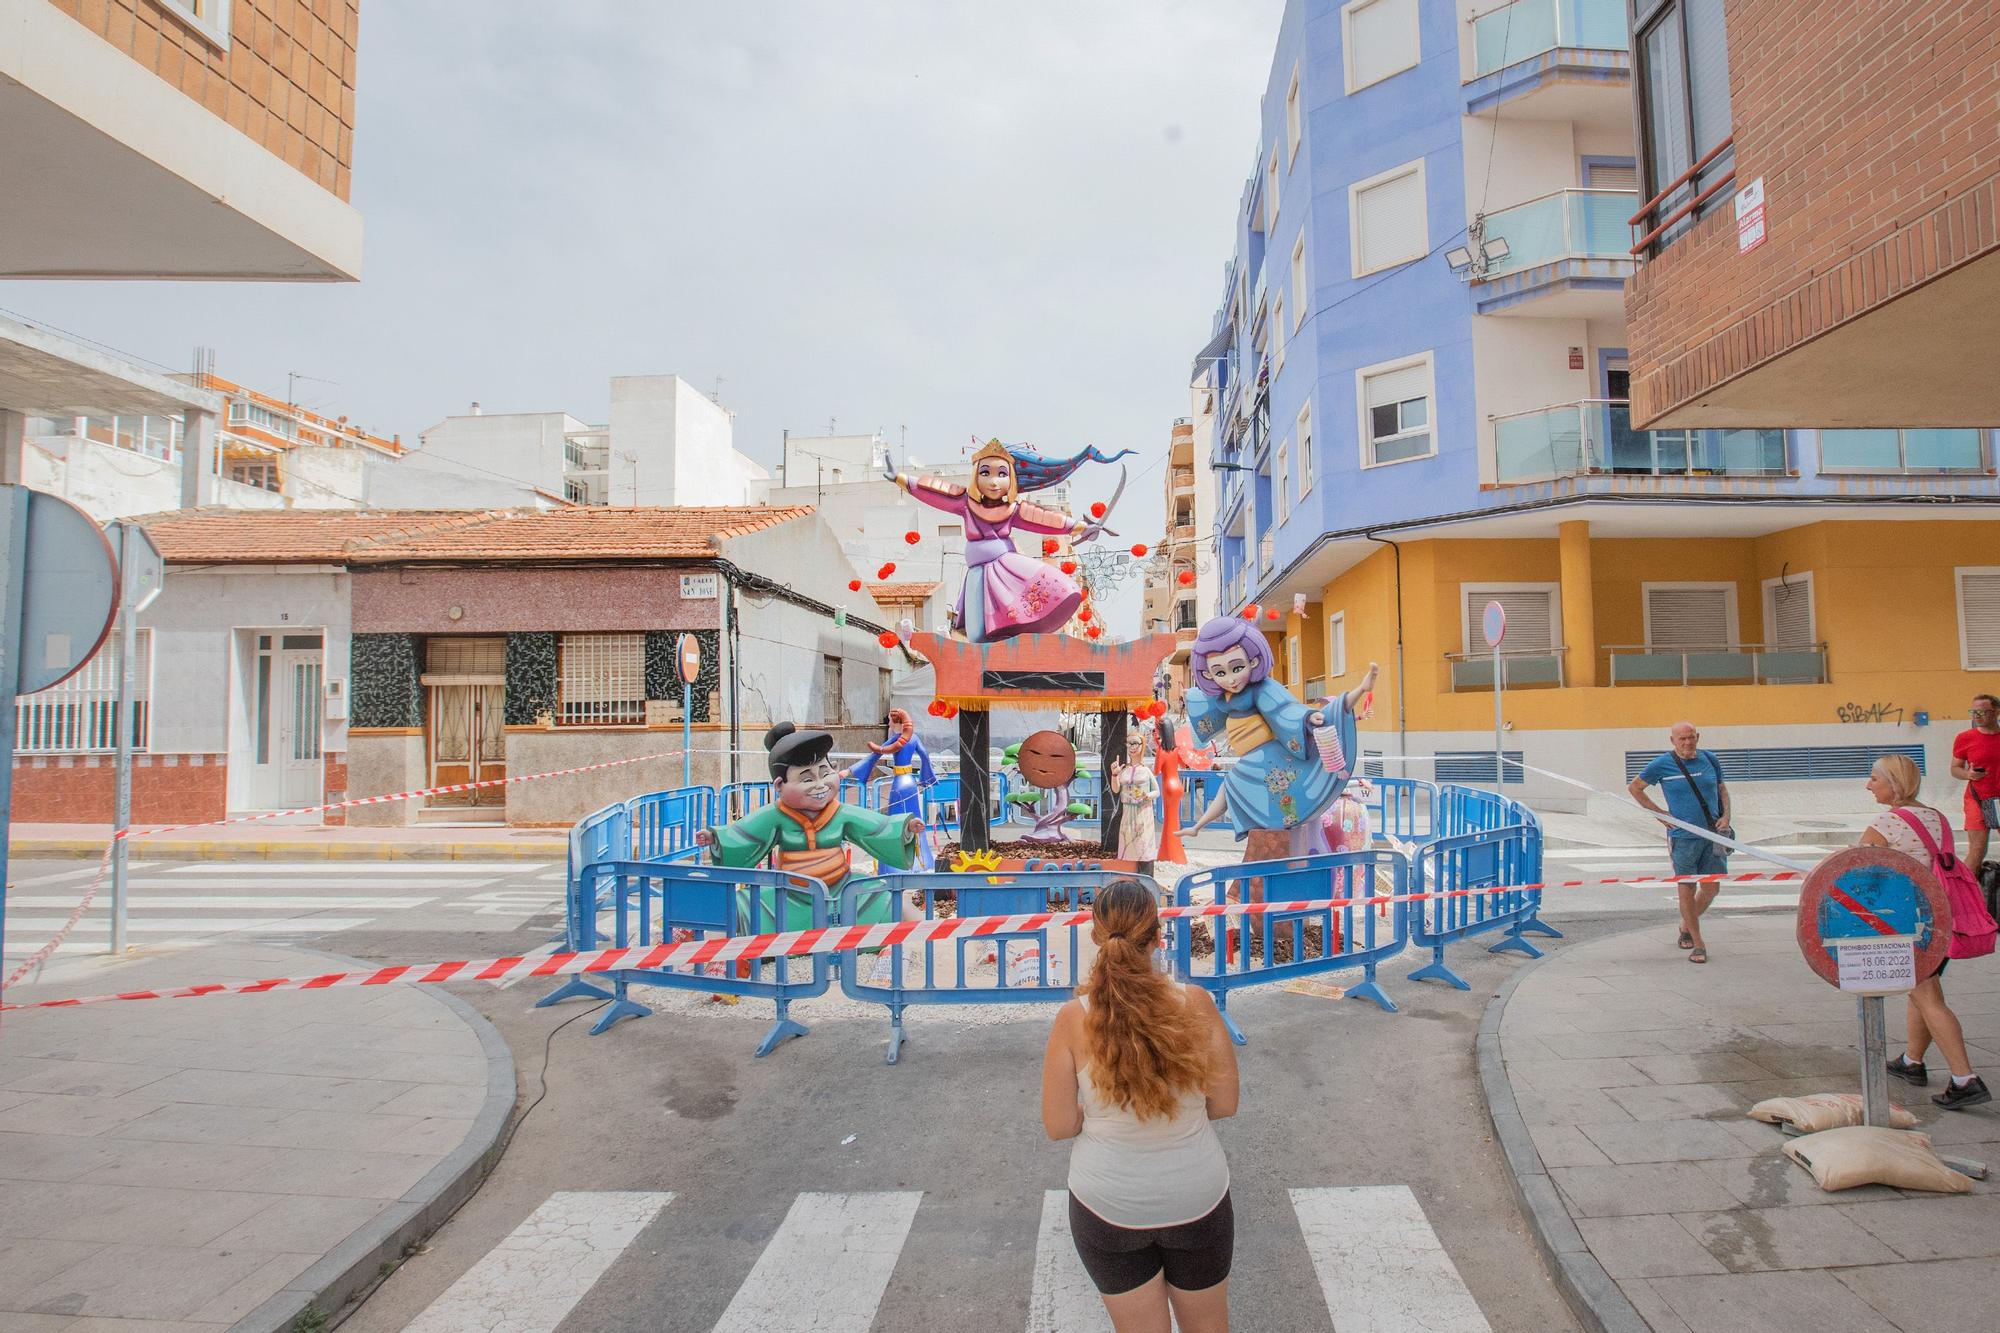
(1894, 782)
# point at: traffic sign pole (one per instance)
(141, 572)
(1874, 1061)
(13, 574)
(1493, 624)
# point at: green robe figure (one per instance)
(811, 831)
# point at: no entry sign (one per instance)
(1875, 906)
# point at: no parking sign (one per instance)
(1873, 921)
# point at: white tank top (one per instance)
(1143, 1174)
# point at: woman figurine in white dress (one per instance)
(1137, 788)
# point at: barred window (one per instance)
(79, 716)
(603, 680)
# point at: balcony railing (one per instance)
(1266, 550)
(1719, 664)
(1569, 224)
(1236, 588)
(1519, 666)
(1513, 33)
(1596, 436)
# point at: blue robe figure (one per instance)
(1279, 780)
(910, 773)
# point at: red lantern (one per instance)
(1271, 614)
(913, 537)
(1069, 566)
(1159, 708)
(887, 638)
(1050, 546)
(1250, 611)
(935, 708)
(1139, 549)
(854, 585)
(1097, 510)
(1095, 630)
(886, 570)
(1084, 615)
(951, 710)
(1187, 578)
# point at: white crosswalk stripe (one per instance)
(1063, 1300)
(827, 1266)
(1381, 1267)
(533, 1278)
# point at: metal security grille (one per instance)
(1687, 618)
(1790, 763)
(1791, 615)
(1979, 610)
(1531, 622)
(603, 680)
(1477, 766)
(466, 657)
(79, 716)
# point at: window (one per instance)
(1533, 615)
(1605, 173)
(834, 709)
(79, 715)
(1979, 618)
(1901, 451)
(1305, 450)
(1788, 612)
(1690, 615)
(209, 18)
(1336, 645)
(1184, 613)
(1292, 660)
(1395, 403)
(1281, 482)
(1299, 281)
(1292, 118)
(1386, 225)
(1278, 333)
(1682, 57)
(1379, 38)
(261, 473)
(601, 681)
(1271, 192)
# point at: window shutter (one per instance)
(1531, 619)
(1791, 615)
(1687, 617)
(1609, 177)
(1979, 610)
(1384, 38)
(1397, 386)
(1389, 220)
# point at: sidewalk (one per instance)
(1618, 1073)
(227, 1164)
(271, 841)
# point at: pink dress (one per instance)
(1005, 593)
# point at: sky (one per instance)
(940, 218)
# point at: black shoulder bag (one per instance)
(1707, 815)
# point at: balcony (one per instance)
(1595, 437)
(1568, 255)
(1521, 666)
(1551, 60)
(1266, 551)
(1725, 664)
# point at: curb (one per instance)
(355, 1266)
(150, 849)
(1597, 1301)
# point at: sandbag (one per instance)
(1822, 1111)
(1840, 1159)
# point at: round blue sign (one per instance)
(1493, 624)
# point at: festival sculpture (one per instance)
(1136, 787)
(910, 773)
(1047, 762)
(1169, 739)
(811, 829)
(1005, 592)
(1279, 780)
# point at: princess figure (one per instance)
(1007, 593)
(910, 773)
(1137, 788)
(1278, 781)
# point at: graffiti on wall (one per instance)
(1851, 712)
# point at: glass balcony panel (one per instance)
(1526, 28)
(1745, 451)
(1942, 449)
(1719, 668)
(1645, 668)
(1535, 445)
(1569, 224)
(1574, 438)
(1858, 449)
(1792, 667)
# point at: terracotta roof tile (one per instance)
(902, 592)
(214, 535)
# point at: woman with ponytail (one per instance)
(1136, 1069)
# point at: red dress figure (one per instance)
(1167, 763)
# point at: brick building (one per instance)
(1860, 294)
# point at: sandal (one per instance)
(1698, 955)
(1686, 940)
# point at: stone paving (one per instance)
(1619, 1075)
(220, 1163)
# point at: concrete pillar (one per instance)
(1579, 607)
(13, 434)
(197, 457)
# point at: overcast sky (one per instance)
(954, 217)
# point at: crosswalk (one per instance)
(1381, 1267)
(1593, 863)
(181, 905)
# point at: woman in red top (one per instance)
(1975, 761)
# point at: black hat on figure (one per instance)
(790, 747)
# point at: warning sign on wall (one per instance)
(1750, 216)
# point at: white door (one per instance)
(302, 767)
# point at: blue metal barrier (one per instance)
(1364, 941)
(664, 823)
(1404, 809)
(1482, 858)
(652, 901)
(939, 966)
(941, 800)
(1198, 788)
(734, 800)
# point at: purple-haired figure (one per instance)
(1278, 781)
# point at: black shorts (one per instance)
(1194, 1255)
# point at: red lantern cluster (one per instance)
(913, 537)
(887, 638)
(1139, 550)
(1097, 510)
(1050, 546)
(939, 708)
(1187, 578)
(1155, 709)
(886, 570)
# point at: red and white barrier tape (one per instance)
(48, 950)
(785, 944)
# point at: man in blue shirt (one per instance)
(1691, 780)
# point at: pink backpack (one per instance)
(1972, 926)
